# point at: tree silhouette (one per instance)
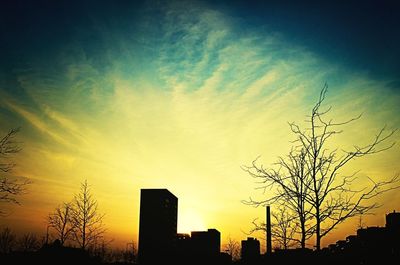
(28, 242)
(7, 240)
(61, 221)
(330, 196)
(9, 188)
(100, 248)
(283, 228)
(232, 247)
(86, 218)
(291, 184)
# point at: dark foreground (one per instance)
(73, 256)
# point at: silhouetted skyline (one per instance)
(181, 95)
(160, 243)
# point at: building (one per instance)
(183, 246)
(393, 232)
(157, 225)
(206, 244)
(373, 239)
(371, 243)
(393, 221)
(250, 249)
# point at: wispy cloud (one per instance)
(35, 121)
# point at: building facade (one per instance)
(157, 225)
(206, 243)
(250, 249)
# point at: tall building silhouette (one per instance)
(157, 225)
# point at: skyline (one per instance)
(180, 95)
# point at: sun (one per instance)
(190, 220)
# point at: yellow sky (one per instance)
(190, 143)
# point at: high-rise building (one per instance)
(157, 225)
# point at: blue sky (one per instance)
(360, 36)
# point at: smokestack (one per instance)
(269, 244)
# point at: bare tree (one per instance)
(28, 242)
(86, 218)
(7, 240)
(101, 249)
(284, 227)
(126, 256)
(232, 247)
(291, 183)
(130, 252)
(61, 221)
(9, 188)
(330, 195)
(360, 224)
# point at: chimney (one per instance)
(269, 244)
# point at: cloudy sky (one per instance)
(181, 94)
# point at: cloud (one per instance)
(35, 121)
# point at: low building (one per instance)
(206, 243)
(250, 249)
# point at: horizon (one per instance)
(182, 95)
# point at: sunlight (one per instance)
(190, 221)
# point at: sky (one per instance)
(182, 94)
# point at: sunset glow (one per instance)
(179, 96)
